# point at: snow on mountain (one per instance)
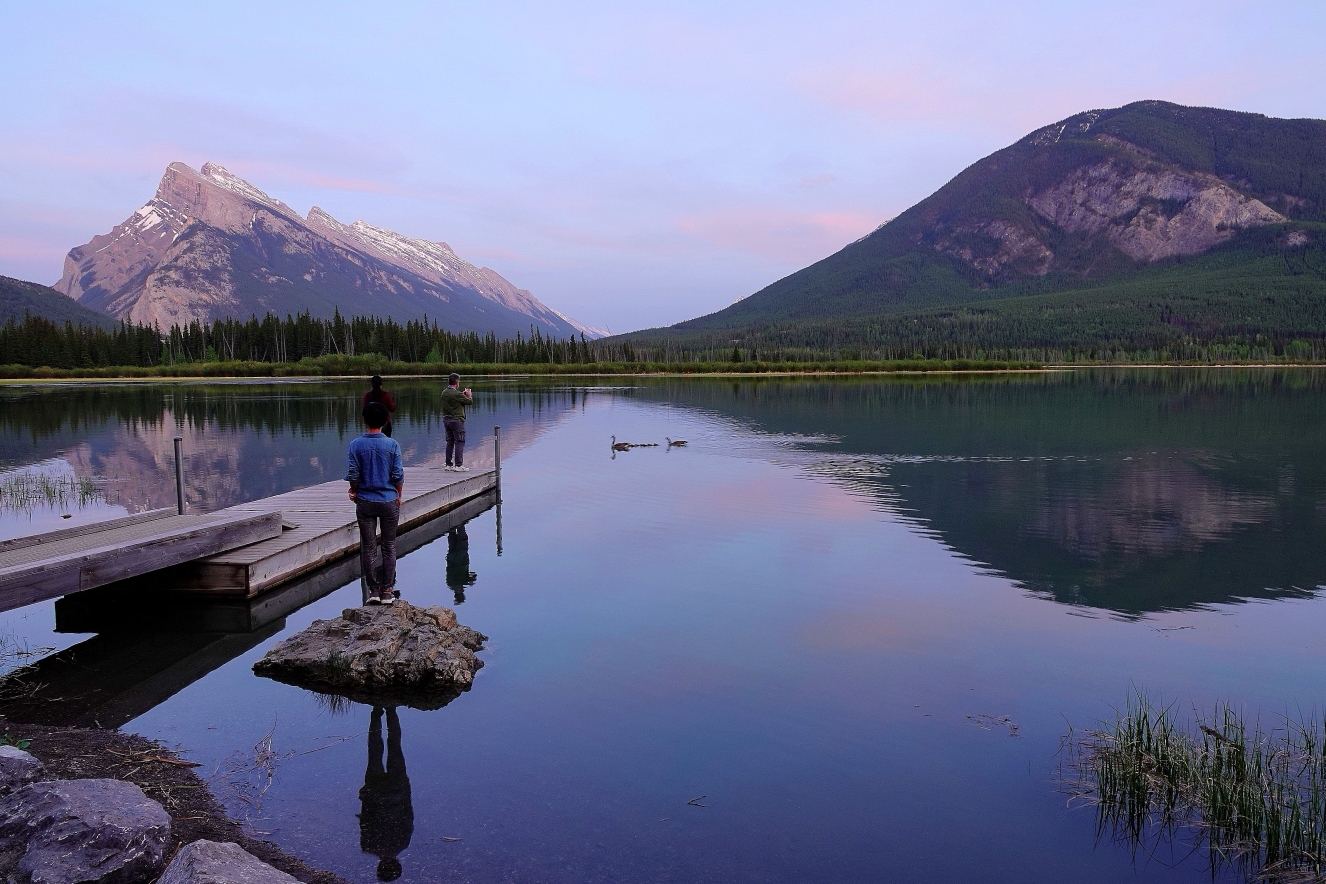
(210, 245)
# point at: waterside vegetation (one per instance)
(1254, 799)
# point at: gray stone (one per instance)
(17, 769)
(81, 832)
(370, 653)
(213, 862)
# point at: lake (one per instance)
(838, 636)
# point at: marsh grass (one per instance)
(1254, 799)
(26, 490)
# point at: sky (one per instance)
(633, 165)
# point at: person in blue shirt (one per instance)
(377, 481)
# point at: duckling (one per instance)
(620, 446)
(675, 443)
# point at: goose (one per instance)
(675, 443)
(620, 446)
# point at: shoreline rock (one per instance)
(77, 753)
(74, 831)
(213, 862)
(384, 655)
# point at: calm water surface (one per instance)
(794, 616)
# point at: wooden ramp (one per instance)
(324, 529)
(45, 566)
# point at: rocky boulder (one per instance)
(81, 832)
(389, 655)
(17, 769)
(212, 862)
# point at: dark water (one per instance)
(793, 616)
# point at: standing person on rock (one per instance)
(454, 402)
(377, 394)
(377, 482)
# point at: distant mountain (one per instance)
(210, 245)
(19, 298)
(1091, 201)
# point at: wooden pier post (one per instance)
(497, 460)
(179, 474)
(497, 482)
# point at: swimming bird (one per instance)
(620, 446)
(677, 443)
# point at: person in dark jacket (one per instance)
(454, 402)
(377, 483)
(386, 812)
(377, 394)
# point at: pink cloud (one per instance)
(782, 235)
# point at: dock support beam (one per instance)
(179, 474)
(497, 460)
(497, 468)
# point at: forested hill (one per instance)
(1085, 203)
(19, 298)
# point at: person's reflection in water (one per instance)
(459, 574)
(386, 815)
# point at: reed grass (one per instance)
(1254, 799)
(25, 490)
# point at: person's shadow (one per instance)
(459, 574)
(386, 815)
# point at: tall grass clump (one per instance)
(1254, 799)
(25, 490)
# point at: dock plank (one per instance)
(76, 562)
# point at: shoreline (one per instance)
(73, 377)
(195, 813)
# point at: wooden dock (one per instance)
(153, 643)
(137, 609)
(69, 560)
(321, 528)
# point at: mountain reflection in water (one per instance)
(1132, 491)
(242, 441)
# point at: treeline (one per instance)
(305, 345)
(39, 342)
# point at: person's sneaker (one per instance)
(388, 597)
(462, 469)
(374, 597)
(449, 468)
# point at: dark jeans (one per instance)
(370, 514)
(455, 441)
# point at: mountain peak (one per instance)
(1094, 196)
(209, 244)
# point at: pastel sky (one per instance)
(631, 164)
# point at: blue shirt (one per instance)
(375, 467)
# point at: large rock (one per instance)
(387, 655)
(17, 769)
(81, 832)
(213, 862)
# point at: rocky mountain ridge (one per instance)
(210, 245)
(1097, 196)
